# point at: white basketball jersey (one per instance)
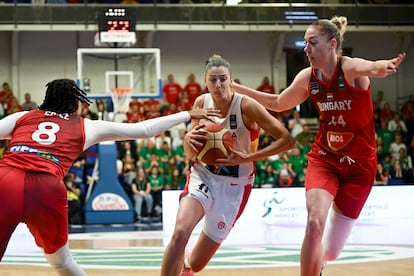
(234, 123)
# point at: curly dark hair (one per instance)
(62, 96)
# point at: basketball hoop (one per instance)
(121, 97)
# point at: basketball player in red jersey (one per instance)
(43, 145)
(342, 162)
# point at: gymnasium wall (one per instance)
(30, 59)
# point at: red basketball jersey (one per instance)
(44, 141)
(345, 115)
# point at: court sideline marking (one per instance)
(228, 257)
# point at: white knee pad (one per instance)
(338, 228)
(63, 263)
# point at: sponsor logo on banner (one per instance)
(109, 201)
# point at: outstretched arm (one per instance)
(294, 94)
(359, 67)
(97, 131)
(265, 99)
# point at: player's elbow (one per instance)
(276, 108)
(272, 104)
(278, 105)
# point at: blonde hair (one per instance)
(333, 28)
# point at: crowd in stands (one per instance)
(146, 167)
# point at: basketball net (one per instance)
(121, 97)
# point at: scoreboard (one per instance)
(117, 25)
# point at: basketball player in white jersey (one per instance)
(219, 193)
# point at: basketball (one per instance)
(217, 144)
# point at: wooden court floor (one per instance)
(401, 267)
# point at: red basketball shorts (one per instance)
(349, 181)
(37, 199)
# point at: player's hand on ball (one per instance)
(198, 113)
(235, 157)
(195, 136)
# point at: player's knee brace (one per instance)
(338, 229)
(63, 263)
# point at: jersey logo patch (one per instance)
(338, 140)
(233, 122)
(314, 88)
(341, 84)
